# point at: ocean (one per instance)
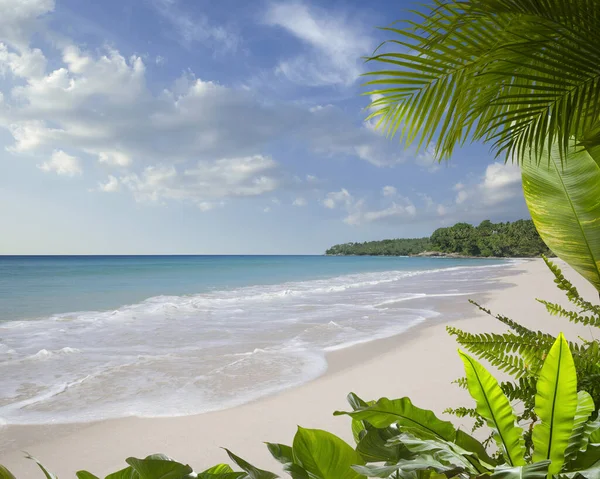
(84, 338)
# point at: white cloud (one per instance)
(336, 198)
(207, 183)
(111, 186)
(496, 193)
(501, 182)
(403, 210)
(114, 158)
(299, 202)
(190, 29)
(358, 213)
(167, 145)
(389, 191)
(62, 164)
(19, 18)
(160, 60)
(334, 43)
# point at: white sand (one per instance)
(420, 364)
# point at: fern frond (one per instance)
(572, 294)
(508, 352)
(556, 309)
(516, 327)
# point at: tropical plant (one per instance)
(563, 439)
(521, 352)
(523, 75)
(397, 440)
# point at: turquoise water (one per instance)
(33, 286)
(87, 338)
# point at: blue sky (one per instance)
(230, 127)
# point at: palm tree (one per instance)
(521, 75)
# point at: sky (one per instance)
(202, 127)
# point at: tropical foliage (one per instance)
(516, 239)
(395, 439)
(519, 75)
(521, 352)
(522, 75)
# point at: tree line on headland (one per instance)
(510, 239)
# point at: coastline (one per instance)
(382, 367)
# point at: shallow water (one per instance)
(222, 331)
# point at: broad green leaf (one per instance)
(127, 473)
(538, 470)
(358, 427)
(159, 468)
(5, 473)
(446, 452)
(579, 438)
(401, 411)
(85, 475)
(324, 455)
(218, 469)
(423, 463)
(494, 407)
(555, 405)
(563, 198)
(296, 471)
(595, 432)
(221, 471)
(222, 475)
(281, 452)
(48, 474)
(253, 472)
(585, 459)
(469, 443)
(374, 446)
(592, 472)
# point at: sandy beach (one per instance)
(420, 363)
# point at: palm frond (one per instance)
(520, 74)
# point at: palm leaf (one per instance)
(564, 201)
(555, 405)
(515, 74)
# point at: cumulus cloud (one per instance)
(389, 191)
(162, 146)
(497, 192)
(334, 44)
(20, 18)
(358, 212)
(112, 185)
(62, 164)
(207, 183)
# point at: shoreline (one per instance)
(370, 369)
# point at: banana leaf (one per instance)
(563, 197)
